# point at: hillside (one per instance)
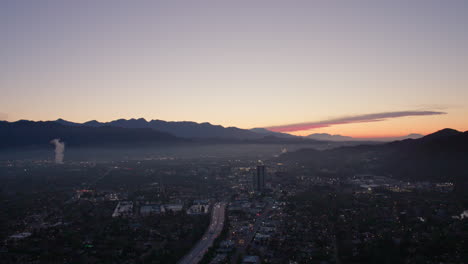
(440, 156)
(28, 133)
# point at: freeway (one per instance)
(214, 230)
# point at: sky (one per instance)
(359, 68)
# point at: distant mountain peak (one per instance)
(329, 137)
(141, 119)
(91, 122)
(66, 122)
(260, 130)
(446, 132)
(266, 132)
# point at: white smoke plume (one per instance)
(59, 150)
(464, 214)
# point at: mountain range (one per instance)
(187, 129)
(328, 137)
(38, 134)
(441, 156)
(141, 131)
(182, 129)
(133, 132)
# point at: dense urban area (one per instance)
(167, 209)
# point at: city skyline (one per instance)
(245, 64)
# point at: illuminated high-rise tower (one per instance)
(259, 179)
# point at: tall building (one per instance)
(161, 190)
(259, 179)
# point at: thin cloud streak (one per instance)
(376, 117)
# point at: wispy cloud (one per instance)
(350, 119)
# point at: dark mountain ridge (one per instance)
(267, 132)
(441, 156)
(183, 129)
(28, 133)
(134, 132)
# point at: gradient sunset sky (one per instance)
(356, 68)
